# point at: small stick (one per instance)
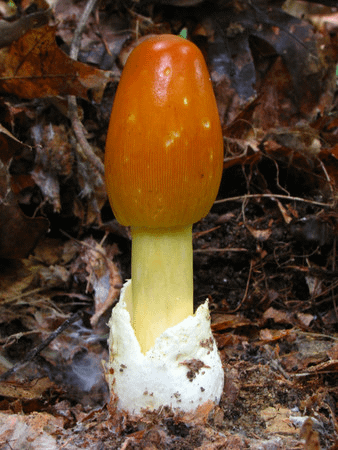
(77, 125)
(33, 353)
(272, 196)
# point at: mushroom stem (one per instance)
(162, 280)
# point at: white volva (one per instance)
(182, 370)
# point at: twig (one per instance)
(21, 295)
(79, 131)
(272, 196)
(75, 45)
(77, 125)
(33, 353)
(198, 234)
(246, 290)
(221, 250)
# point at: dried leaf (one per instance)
(34, 430)
(310, 436)
(260, 235)
(259, 50)
(277, 316)
(34, 67)
(12, 30)
(19, 234)
(305, 319)
(14, 281)
(200, 416)
(222, 322)
(325, 367)
(278, 421)
(9, 145)
(26, 391)
(103, 276)
(267, 335)
(54, 160)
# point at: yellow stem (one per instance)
(162, 280)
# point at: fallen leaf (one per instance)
(19, 234)
(34, 67)
(25, 391)
(32, 431)
(266, 335)
(305, 319)
(260, 235)
(277, 316)
(278, 421)
(9, 145)
(11, 31)
(310, 436)
(222, 322)
(103, 276)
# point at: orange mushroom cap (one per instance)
(164, 149)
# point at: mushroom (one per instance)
(163, 165)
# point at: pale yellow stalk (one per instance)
(162, 280)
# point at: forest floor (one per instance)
(265, 256)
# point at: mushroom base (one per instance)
(182, 370)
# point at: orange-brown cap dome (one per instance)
(164, 149)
